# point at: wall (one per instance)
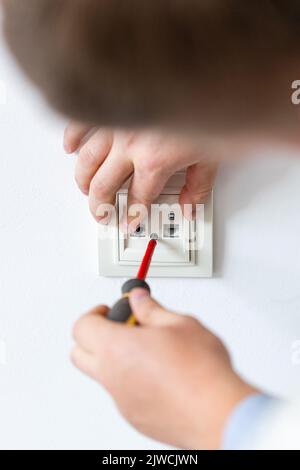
(48, 277)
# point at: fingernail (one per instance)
(123, 223)
(133, 224)
(188, 212)
(104, 215)
(139, 294)
(85, 191)
(68, 149)
(129, 226)
(102, 221)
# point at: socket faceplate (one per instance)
(185, 249)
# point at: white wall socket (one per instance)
(185, 249)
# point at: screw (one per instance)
(154, 236)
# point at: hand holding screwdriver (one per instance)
(121, 311)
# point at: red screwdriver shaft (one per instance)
(145, 265)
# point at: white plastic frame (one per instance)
(201, 261)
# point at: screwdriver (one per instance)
(121, 311)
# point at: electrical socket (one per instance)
(185, 249)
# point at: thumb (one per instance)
(147, 311)
(199, 183)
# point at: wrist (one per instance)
(233, 392)
(222, 399)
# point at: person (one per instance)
(153, 88)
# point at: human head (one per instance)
(219, 66)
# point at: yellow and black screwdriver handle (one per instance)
(121, 312)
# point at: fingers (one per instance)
(102, 346)
(91, 330)
(200, 179)
(110, 177)
(84, 361)
(91, 156)
(147, 311)
(74, 134)
(144, 189)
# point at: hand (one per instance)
(170, 377)
(107, 158)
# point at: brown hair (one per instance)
(117, 62)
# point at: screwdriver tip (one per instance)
(154, 236)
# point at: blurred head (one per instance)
(206, 64)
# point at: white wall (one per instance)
(48, 277)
